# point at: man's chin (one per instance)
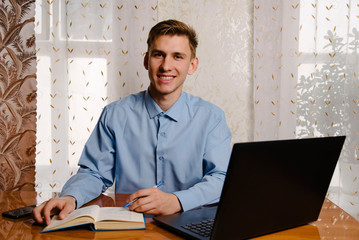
(163, 92)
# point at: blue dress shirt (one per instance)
(136, 145)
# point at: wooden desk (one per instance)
(333, 223)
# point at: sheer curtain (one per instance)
(303, 59)
(306, 68)
(224, 74)
(90, 53)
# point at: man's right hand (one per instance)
(64, 205)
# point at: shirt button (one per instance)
(161, 158)
(163, 134)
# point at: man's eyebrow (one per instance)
(156, 51)
(180, 53)
(174, 53)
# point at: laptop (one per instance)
(270, 186)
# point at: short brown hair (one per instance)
(173, 27)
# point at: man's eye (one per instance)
(178, 57)
(157, 55)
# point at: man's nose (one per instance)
(166, 64)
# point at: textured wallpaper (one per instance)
(224, 74)
(17, 95)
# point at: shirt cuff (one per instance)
(187, 200)
(79, 201)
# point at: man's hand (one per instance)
(44, 211)
(155, 202)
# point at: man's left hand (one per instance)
(155, 202)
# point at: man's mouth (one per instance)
(166, 78)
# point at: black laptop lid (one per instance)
(275, 185)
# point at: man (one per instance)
(159, 136)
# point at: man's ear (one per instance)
(193, 65)
(145, 61)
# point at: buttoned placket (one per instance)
(160, 150)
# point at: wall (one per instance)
(17, 95)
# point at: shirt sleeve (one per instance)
(215, 164)
(96, 163)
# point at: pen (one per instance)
(134, 200)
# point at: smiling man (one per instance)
(159, 137)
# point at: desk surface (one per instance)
(333, 223)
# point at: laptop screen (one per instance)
(275, 185)
(269, 186)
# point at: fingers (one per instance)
(46, 211)
(67, 209)
(143, 196)
(143, 204)
(140, 194)
(37, 213)
(157, 202)
(43, 212)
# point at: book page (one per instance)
(91, 211)
(119, 214)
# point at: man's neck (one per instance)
(165, 101)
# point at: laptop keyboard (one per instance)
(203, 228)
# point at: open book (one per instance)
(99, 218)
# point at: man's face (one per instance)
(168, 62)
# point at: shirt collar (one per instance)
(152, 108)
(174, 112)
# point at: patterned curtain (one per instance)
(17, 95)
(224, 74)
(90, 53)
(306, 68)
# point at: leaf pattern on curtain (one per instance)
(224, 74)
(17, 95)
(306, 80)
(90, 53)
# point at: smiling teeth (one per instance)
(166, 78)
